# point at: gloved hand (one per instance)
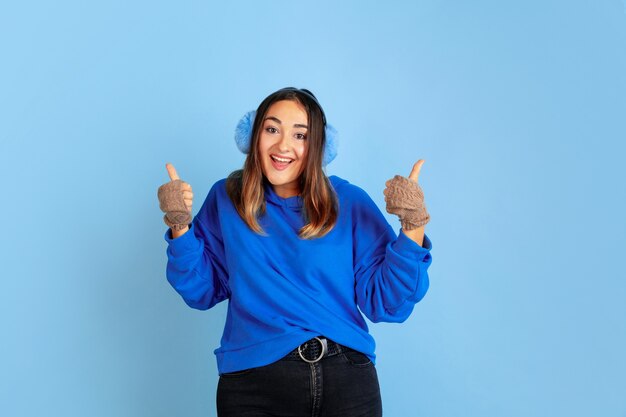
(175, 200)
(404, 197)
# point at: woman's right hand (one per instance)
(175, 200)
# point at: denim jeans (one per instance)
(342, 385)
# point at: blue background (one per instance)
(518, 108)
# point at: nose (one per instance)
(283, 144)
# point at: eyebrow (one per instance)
(277, 120)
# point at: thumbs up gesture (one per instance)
(175, 200)
(405, 198)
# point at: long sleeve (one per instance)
(390, 271)
(283, 290)
(195, 265)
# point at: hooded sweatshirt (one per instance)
(283, 290)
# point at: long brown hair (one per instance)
(245, 186)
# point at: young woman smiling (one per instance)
(301, 259)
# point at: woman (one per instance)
(297, 254)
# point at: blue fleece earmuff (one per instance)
(243, 137)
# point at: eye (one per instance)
(271, 129)
(300, 136)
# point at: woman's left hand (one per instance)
(405, 198)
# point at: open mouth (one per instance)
(281, 161)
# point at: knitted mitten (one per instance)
(177, 215)
(405, 198)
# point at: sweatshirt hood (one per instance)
(294, 203)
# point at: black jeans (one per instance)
(341, 384)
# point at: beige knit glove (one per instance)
(404, 197)
(175, 200)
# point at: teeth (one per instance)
(280, 159)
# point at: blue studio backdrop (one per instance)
(518, 108)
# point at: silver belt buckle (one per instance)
(324, 344)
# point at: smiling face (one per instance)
(283, 146)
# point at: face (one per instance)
(283, 146)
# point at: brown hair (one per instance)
(245, 186)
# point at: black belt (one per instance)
(315, 349)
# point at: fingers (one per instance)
(187, 191)
(415, 172)
(172, 172)
(188, 197)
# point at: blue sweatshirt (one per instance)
(283, 290)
